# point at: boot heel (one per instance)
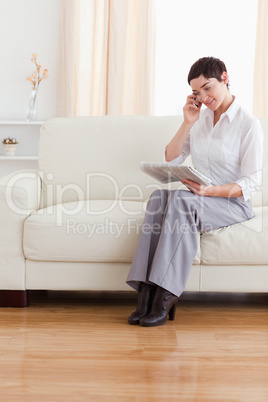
(172, 312)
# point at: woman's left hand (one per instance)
(197, 189)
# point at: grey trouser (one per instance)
(169, 239)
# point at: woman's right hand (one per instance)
(191, 111)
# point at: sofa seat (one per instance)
(85, 231)
(240, 244)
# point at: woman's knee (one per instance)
(182, 200)
(159, 194)
(157, 200)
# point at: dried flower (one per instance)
(38, 75)
(9, 140)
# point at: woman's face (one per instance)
(210, 91)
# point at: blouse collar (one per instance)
(230, 112)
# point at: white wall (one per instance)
(32, 26)
(188, 30)
(26, 27)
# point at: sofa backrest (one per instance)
(98, 157)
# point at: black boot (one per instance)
(164, 303)
(145, 300)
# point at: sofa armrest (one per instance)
(19, 197)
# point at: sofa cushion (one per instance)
(240, 244)
(88, 231)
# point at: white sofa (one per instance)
(74, 224)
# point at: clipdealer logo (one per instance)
(24, 189)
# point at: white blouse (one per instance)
(229, 152)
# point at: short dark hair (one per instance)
(209, 67)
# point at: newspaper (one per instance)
(166, 173)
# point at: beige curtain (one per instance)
(107, 57)
(260, 95)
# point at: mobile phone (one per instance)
(197, 101)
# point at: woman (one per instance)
(225, 143)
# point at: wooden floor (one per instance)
(71, 346)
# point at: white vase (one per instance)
(31, 111)
(10, 149)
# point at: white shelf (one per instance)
(18, 158)
(20, 123)
(28, 135)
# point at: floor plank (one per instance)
(78, 346)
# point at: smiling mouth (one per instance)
(207, 104)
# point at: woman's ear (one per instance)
(225, 77)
